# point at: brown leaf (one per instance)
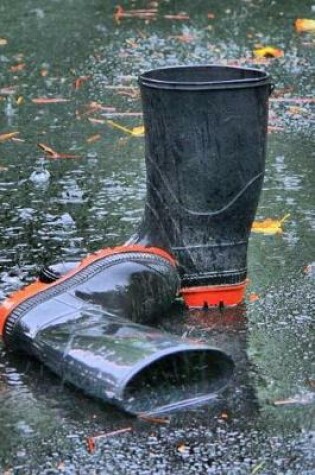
(178, 16)
(49, 100)
(91, 446)
(53, 154)
(153, 420)
(17, 67)
(80, 80)
(8, 136)
(210, 16)
(94, 138)
(182, 448)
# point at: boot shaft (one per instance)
(205, 154)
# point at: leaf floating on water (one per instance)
(269, 226)
(268, 52)
(3, 42)
(8, 136)
(304, 25)
(53, 154)
(49, 100)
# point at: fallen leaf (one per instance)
(210, 16)
(49, 100)
(224, 416)
(80, 80)
(53, 154)
(94, 138)
(268, 52)
(154, 420)
(91, 445)
(7, 91)
(91, 441)
(304, 25)
(96, 121)
(253, 297)
(269, 226)
(178, 16)
(20, 100)
(257, 468)
(8, 136)
(144, 14)
(182, 448)
(136, 131)
(3, 169)
(310, 269)
(17, 67)
(44, 73)
(185, 38)
(275, 128)
(3, 42)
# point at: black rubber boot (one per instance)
(83, 327)
(205, 140)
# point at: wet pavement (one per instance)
(53, 209)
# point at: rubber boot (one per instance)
(82, 327)
(205, 147)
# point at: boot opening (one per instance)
(202, 76)
(176, 381)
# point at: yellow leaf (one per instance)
(269, 226)
(304, 24)
(268, 52)
(9, 136)
(138, 131)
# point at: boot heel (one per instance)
(214, 295)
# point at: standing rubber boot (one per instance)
(205, 142)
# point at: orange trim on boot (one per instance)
(214, 295)
(11, 302)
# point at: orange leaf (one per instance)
(304, 25)
(17, 67)
(91, 444)
(253, 297)
(8, 136)
(269, 226)
(49, 100)
(268, 52)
